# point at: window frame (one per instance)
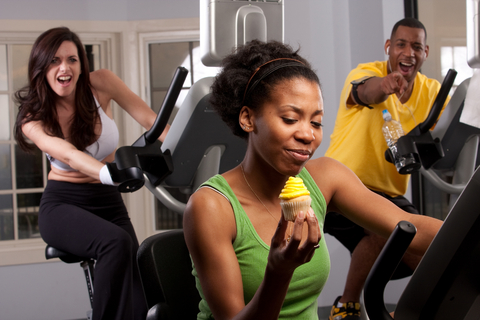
(144, 40)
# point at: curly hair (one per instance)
(37, 100)
(230, 85)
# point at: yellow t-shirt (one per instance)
(357, 140)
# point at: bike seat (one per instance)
(51, 252)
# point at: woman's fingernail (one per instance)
(301, 215)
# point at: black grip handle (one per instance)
(167, 105)
(439, 101)
(131, 179)
(383, 269)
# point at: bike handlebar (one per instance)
(166, 110)
(383, 269)
(439, 101)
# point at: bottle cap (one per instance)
(386, 115)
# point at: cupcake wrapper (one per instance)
(291, 208)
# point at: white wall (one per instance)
(335, 35)
(101, 10)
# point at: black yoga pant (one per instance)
(90, 220)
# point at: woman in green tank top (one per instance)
(249, 262)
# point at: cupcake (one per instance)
(294, 198)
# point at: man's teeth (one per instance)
(406, 64)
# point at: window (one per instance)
(164, 58)
(23, 176)
(455, 58)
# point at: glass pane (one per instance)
(93, 56)
(157, 100)
(21, 53)
(5, 167)
(164, 60)
(456, 58)
(4, 118)
(446, 58)
(3, 68)
(461, 65)
(6, 217)
(28, 168)
(165, 218)
(201, 71)
(28, 205)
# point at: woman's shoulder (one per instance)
(208, 194)
(104, 80)
(329, 175)
(213, 193)
(207, 202)
(324, 168)
(209, 210)
(322, 163)
(101, 74)
(104, 85)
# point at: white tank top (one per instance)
(106, 143)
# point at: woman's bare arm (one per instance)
(62, 150)
(110, 87)
(347, 195)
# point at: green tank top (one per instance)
(252, 253)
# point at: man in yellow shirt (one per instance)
(357, 141)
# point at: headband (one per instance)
(293, 63)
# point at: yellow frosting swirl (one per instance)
(294, 188)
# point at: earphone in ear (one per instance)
(388, 49)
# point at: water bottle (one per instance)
(392, 131)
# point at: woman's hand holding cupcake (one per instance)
(284, 255)
(288, 254)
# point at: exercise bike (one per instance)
(446, 283)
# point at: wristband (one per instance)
(105, 177)
(355, 85)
